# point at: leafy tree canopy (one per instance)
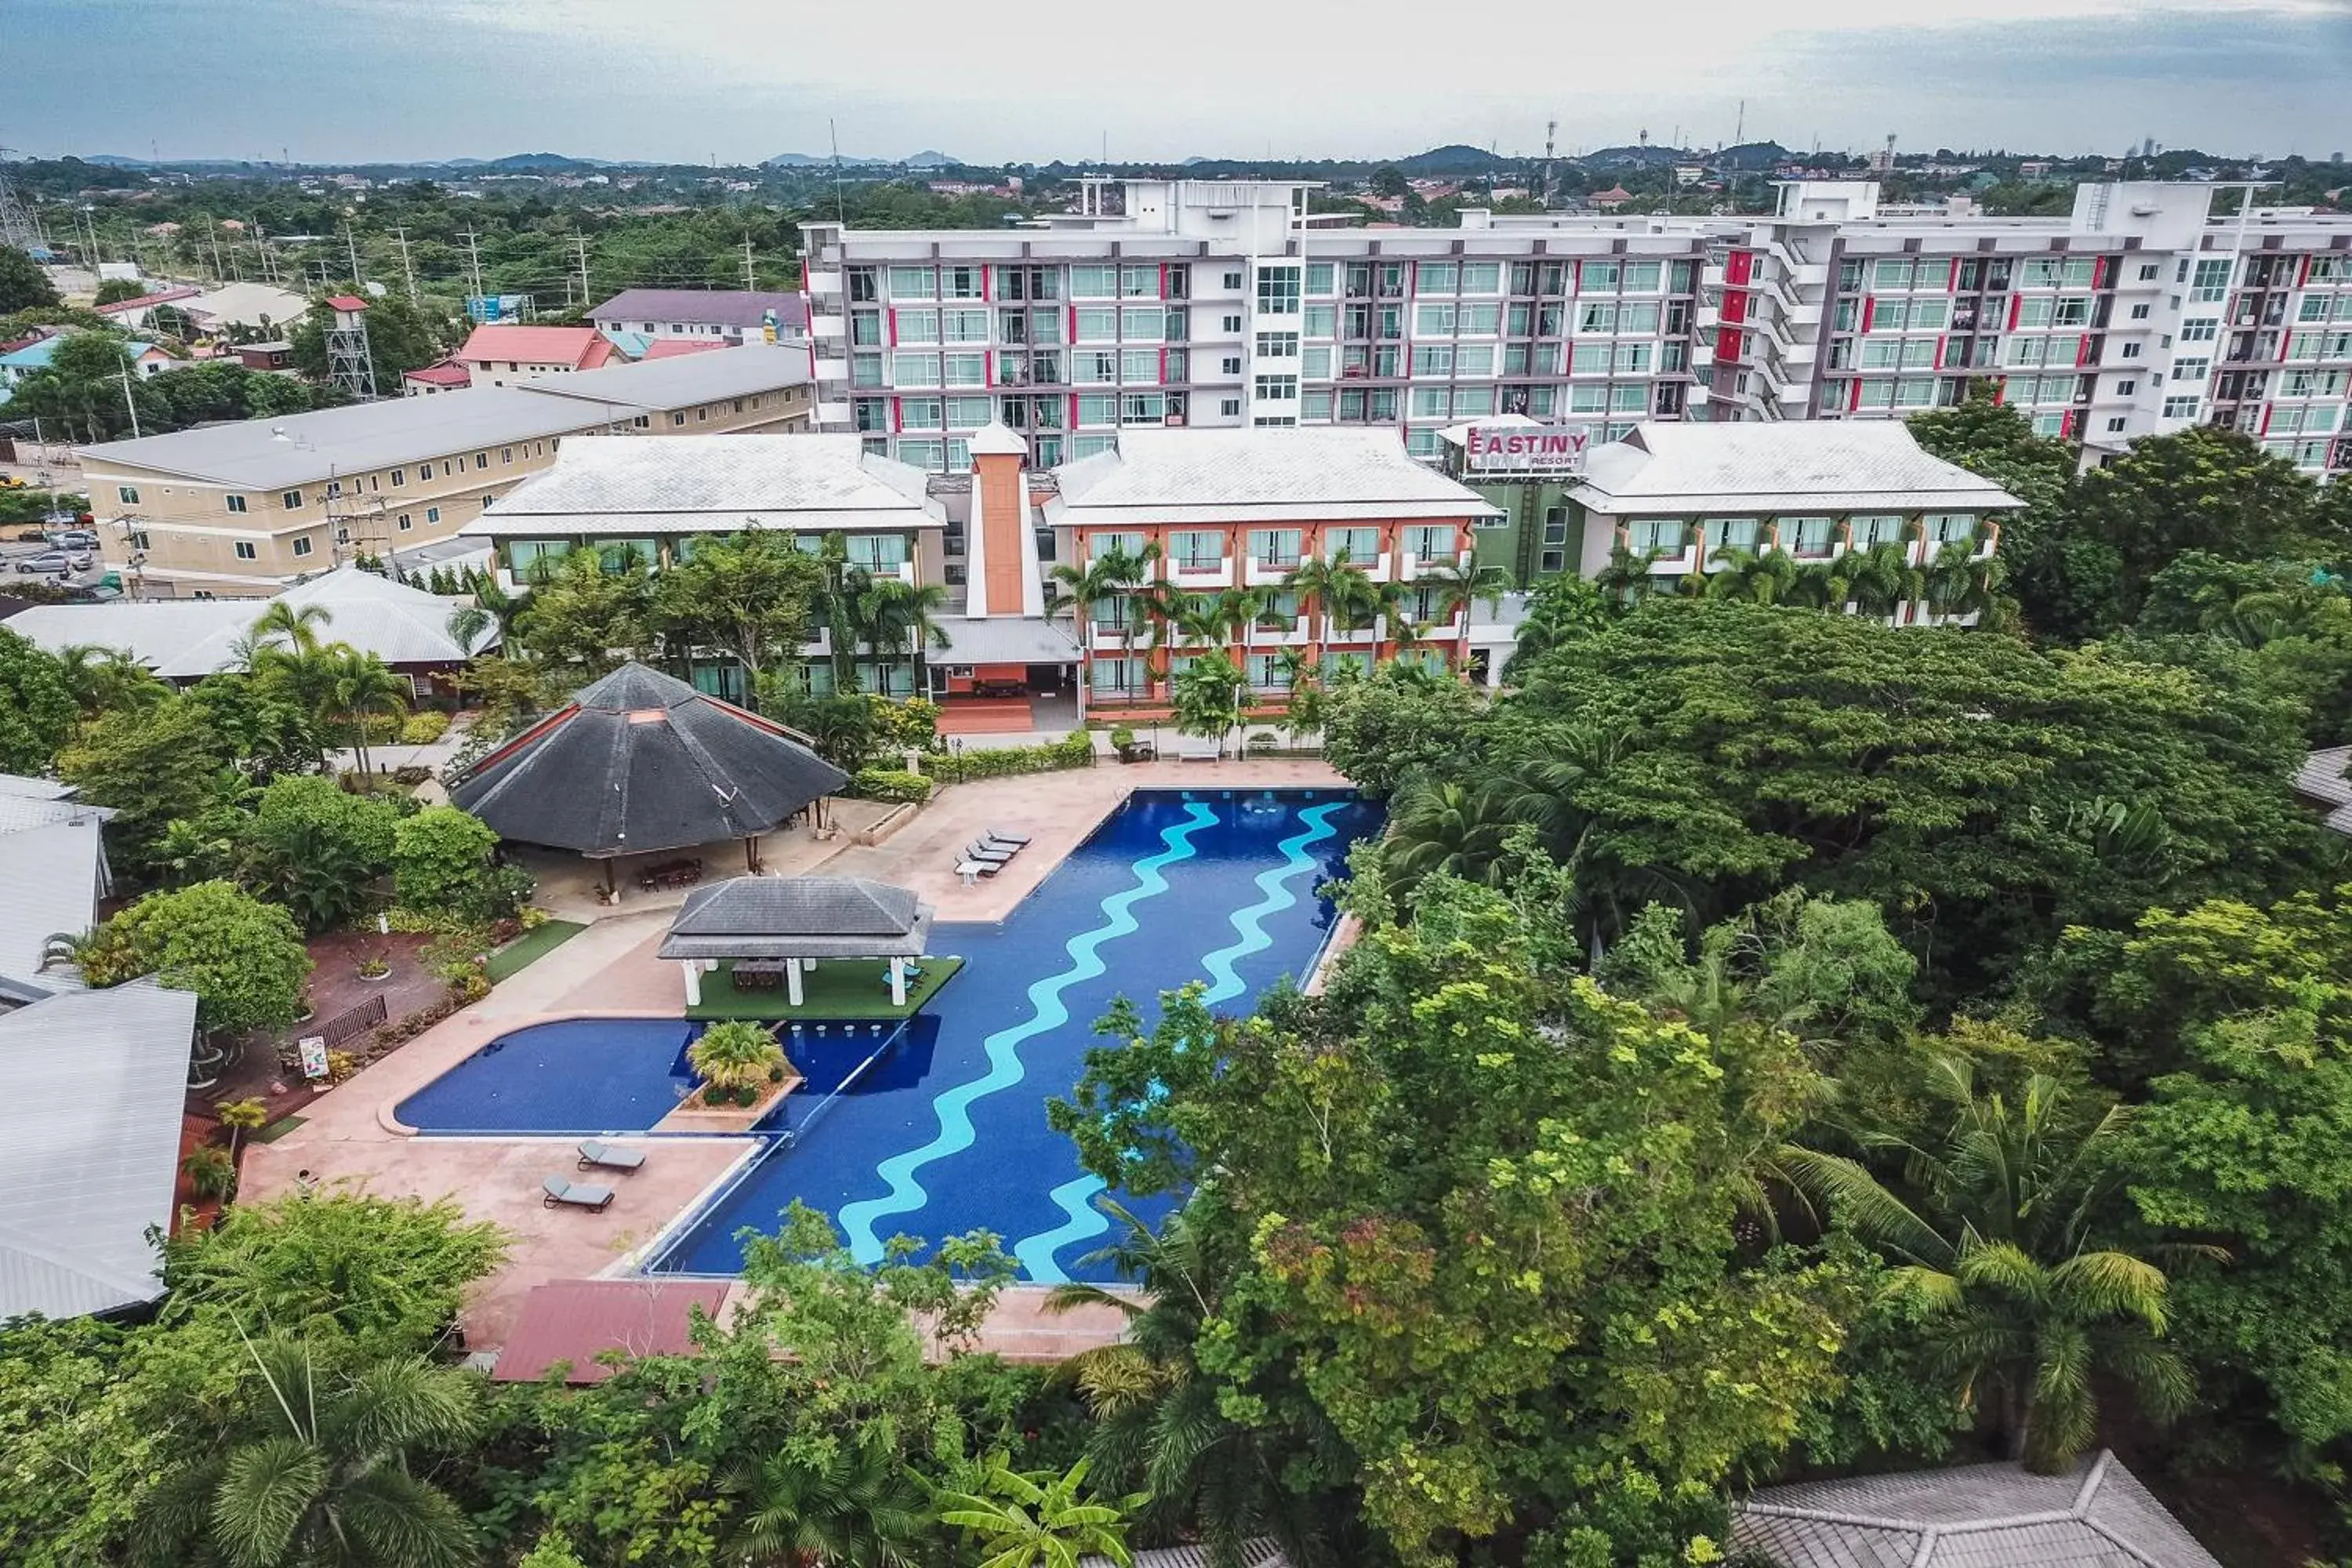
(243, 958)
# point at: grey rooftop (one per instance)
(799, 916)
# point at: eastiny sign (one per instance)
(1522, 448)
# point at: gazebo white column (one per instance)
(793, 981)
(897, 982)
(692, 969)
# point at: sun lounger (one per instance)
(610, 1156)
(998, 836)
(983, 850)
(595, 1200)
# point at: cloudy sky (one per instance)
(1034, 79)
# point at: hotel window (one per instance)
(1139, 366)
(1869, 530)
(1806, 536)
(291, 501)
(1345, 665)
(876, 552)
(1229, 407)
(1950, 527)
(1437, 277)
(1362, 545)
(1596, 277)
(235, 504)
(1096, 325)
(1144, 408)
(399, 477)
(1633, 359)
(1269, 672)
(1642, 277)
(2213, 281)
(405, 525)
(1890, 273)
(920, 414)
(1139, 282)
(964, 326)
(1098, 545)
(1588, 359)
(2201, 330)
(1426, 542)
(678, 417)
(1665, 536)
(1280, 388)
(967, 412)
(918, 326)
(1197, 550)
(966, 370)
(245, 550)
(914, 283)
(1431, 402)
(1315, 364)
(1637, 318)
(1146, 326)
(1725, 534)
(914, 370)
(1596, 316)
(1277, 346)
(431, 515)
(1276, 546)
(130, 495)
(866, 328)
(1482, 277)
(963, 282)
(482, 459)
(1117, 677)
(1914, 392)
(302, 547)
(1432, 358)
(1097, 408)
(1634, 399)
(1321, 278)
(1279, 290)
(2190, 369)
(1483, 320)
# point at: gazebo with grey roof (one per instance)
(770, 922)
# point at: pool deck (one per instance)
(349, 1137)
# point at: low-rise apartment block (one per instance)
(717, 315)
(243, 509)
(495, 356)
(1174, 302)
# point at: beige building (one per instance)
(243, 509)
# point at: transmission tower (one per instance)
(349, 363)
(16, 224)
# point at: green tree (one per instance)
(24, 286)
(316, 849)
(1560, 609)
(1040, 1520)
(2201, 489)
(441, 862)
(1381, 729)
(748, 593)
(899, 618)
(1530, 1333)
(366, 689)
(317, 1468)
(243, 958)
(113, 290)
(151, 764)
(1208, 697)
(852, 1508)
(2065, 579)
(735, 1055)
(588, 620)
(2000, 1230)
(104, 678)
(36, 706)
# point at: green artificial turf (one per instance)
(836, 988)
(530, 948)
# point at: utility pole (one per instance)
(581, 241)
(351, 246)
(128, 401)
(220, 274)
(750, 283)
(473, 262)
(406, 270)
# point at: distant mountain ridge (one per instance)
(926, 159)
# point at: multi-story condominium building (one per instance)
(1169, 302)
(243, 509)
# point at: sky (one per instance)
(739, 81)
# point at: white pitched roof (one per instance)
(187, 639)
(625, 485)
(52, 873)
(247, 304)
(1294, 474)
(1821, 466)
(94, 1082)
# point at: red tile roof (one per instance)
(575, 1321)
(441, 373)
(347, 303)
(582, 348)
(163, 297)
(670, 348)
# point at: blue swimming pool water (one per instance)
(944, 1131)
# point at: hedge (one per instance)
(888, 783)
(1075, 750)
(423, 728)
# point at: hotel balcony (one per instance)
(1332, 637)
(1260, 573)
(1218, 574)
(1295, 632)
(1413, 566)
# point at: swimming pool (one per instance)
(942, 1127)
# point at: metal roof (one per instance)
(703, 306)
(1005, 639)
(641, 762)
(2095, 1515)
(576, 1321)
(1261, 1553)
(621, 484)
(1821, 466)
(799, 916)
(187, 639)
(1300, 474)
(276, 454)
(573, 346)
(94, 1082)
(2321, 778)
(53, 872)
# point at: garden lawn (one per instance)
(530, 948)
(836, 988)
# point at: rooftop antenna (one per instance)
(840, 202)
(16, 225)
(1739, 127)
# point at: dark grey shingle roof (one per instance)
(2097, 1515)
(640, 763)
(799, 916)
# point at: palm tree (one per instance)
(1883, 579)
(1995, 1233)
(1959, 583)
(363, 688)
(1096, 584)
(105, 679)
(735, 1055)
(1456, 588)
(1824, 585)
(1337, 589)
(317, 1471)
(1158, 1426)
(1039, 1520)
(1761, 577)
(1626, 581)
(854, 1508)
(840, 586)
(1452, 827)
(896, 615)
(293, 626)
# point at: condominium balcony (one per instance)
(1292, 632)
(1410, 565)
(1333, 637)
(1259, 572)
(1217, 574)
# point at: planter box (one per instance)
(693, 1116)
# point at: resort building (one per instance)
(246, 509)
(183, 641)
(731, 316)
(1179, 302)
(1703, 498)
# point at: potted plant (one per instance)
(734, 1059)
(211, 1172)
(1122, 741)
(374, 966)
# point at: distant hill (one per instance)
(1455, 160)
(923, 160)
(1752, 155)
(926, 159)
(1641, 156)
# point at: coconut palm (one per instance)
(1040, 1520)
(1760, 577)
(735, 1055)
(1456, 828)
(853, 1508)
(365, 688)
(290, 626)
(896, 617)
(1101, 584)
(1824, 585)
(1883, 579)
(1959, 583)
(1995, 1229)
(316, 1471)
(108, 680)
(1626, 579)
(1337, 588)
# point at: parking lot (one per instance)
(13, 551)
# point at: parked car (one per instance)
(57, 561)
(33, 536)
(73, 538)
